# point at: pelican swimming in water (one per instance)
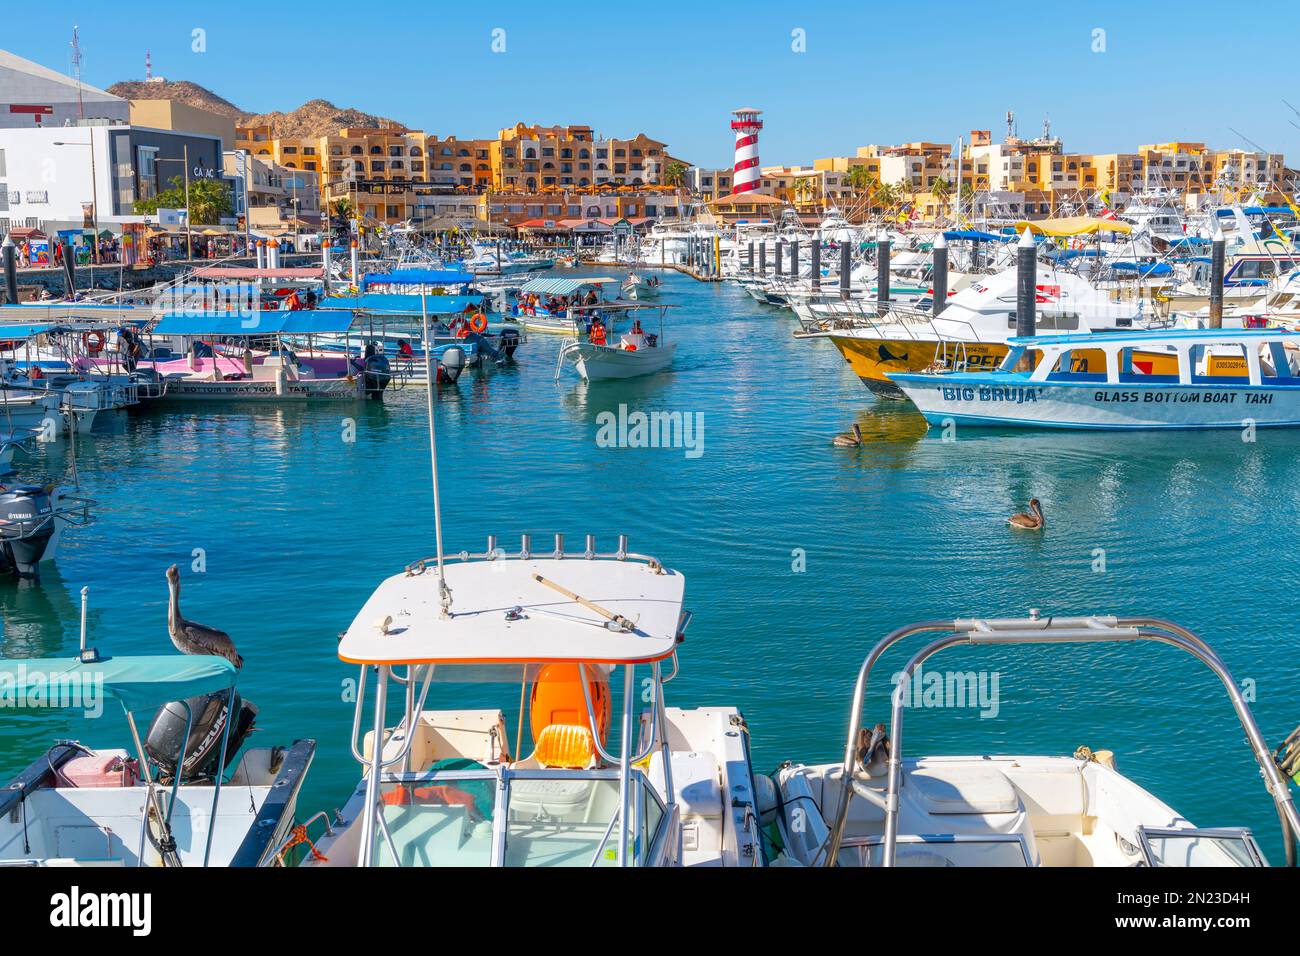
(1032, 520)
(851, 439)
(192, 638)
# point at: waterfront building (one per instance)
(52, 177)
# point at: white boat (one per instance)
(1226, 378)
(882, 807)
(569, 633)
(640, 286)
(605, 352)
(25, 409)
(75, 806)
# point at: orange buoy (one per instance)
(557, 699)
(479, 322)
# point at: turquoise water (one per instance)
(297, 526)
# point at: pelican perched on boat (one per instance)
(1032, 520)
(192, 638)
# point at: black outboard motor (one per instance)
(508, 341)
(24, 538)
(210, 713)
(378, 373)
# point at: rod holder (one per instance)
(559, 547)
(492, 545)
(622, 547)
(524, 546)
(591, 546)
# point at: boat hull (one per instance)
(253, 391)
(1020, 403)
(599, 363)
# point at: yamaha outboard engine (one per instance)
(378, 373)
(451, 363)
(207, 725)
(29, 526)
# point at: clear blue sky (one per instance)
(870, 73)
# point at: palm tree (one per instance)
(343, 208)
(675, 173)
(859, 178)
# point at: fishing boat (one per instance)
(882, 807)
(605, 352)
(640, 286)
(180, 798)
(566, 633)
(1208, 378)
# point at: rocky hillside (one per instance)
(314, 118)
(180, 91)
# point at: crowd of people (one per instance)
(528, 304)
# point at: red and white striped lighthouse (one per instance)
(745, 175)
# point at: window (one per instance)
(146, 172)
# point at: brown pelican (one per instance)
(849, 439)
(191, 638)
(1032, 520)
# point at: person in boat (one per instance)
(597, 334)
(592, 298)
(311, 299)
(404, 349)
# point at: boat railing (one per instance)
(1034, 629)
(73, 509)
(526, 552)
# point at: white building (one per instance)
(46, 179)
(32, 96)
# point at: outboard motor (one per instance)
(508, 341)
(377, 372)
(451, 364)
(24, 539)
(207, 725)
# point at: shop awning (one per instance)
(279, 322)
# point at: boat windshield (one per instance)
(1225, 847)
(994, 849)
(544, 818)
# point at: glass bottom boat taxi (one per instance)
(565, 635)
(1224, 378)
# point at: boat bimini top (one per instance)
(527, 618)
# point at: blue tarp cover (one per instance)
(138, 682)
(1146, 268)
(416, 277)
(299, 322)
(382, 303)
(973, 234)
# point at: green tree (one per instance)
(675, 173)
(859, 178)
(343, 208)
(209, 201)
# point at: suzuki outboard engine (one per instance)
(208, 723)
(451, 363)
(29, 526)
(378, 373)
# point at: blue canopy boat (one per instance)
(178, 798)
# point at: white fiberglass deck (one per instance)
(550, 628)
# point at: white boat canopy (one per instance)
(501, 614)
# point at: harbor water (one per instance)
(798, 556)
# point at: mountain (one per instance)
(178, 91)
(314, 118)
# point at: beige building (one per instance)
(165, 114)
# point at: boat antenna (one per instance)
(431, 377)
